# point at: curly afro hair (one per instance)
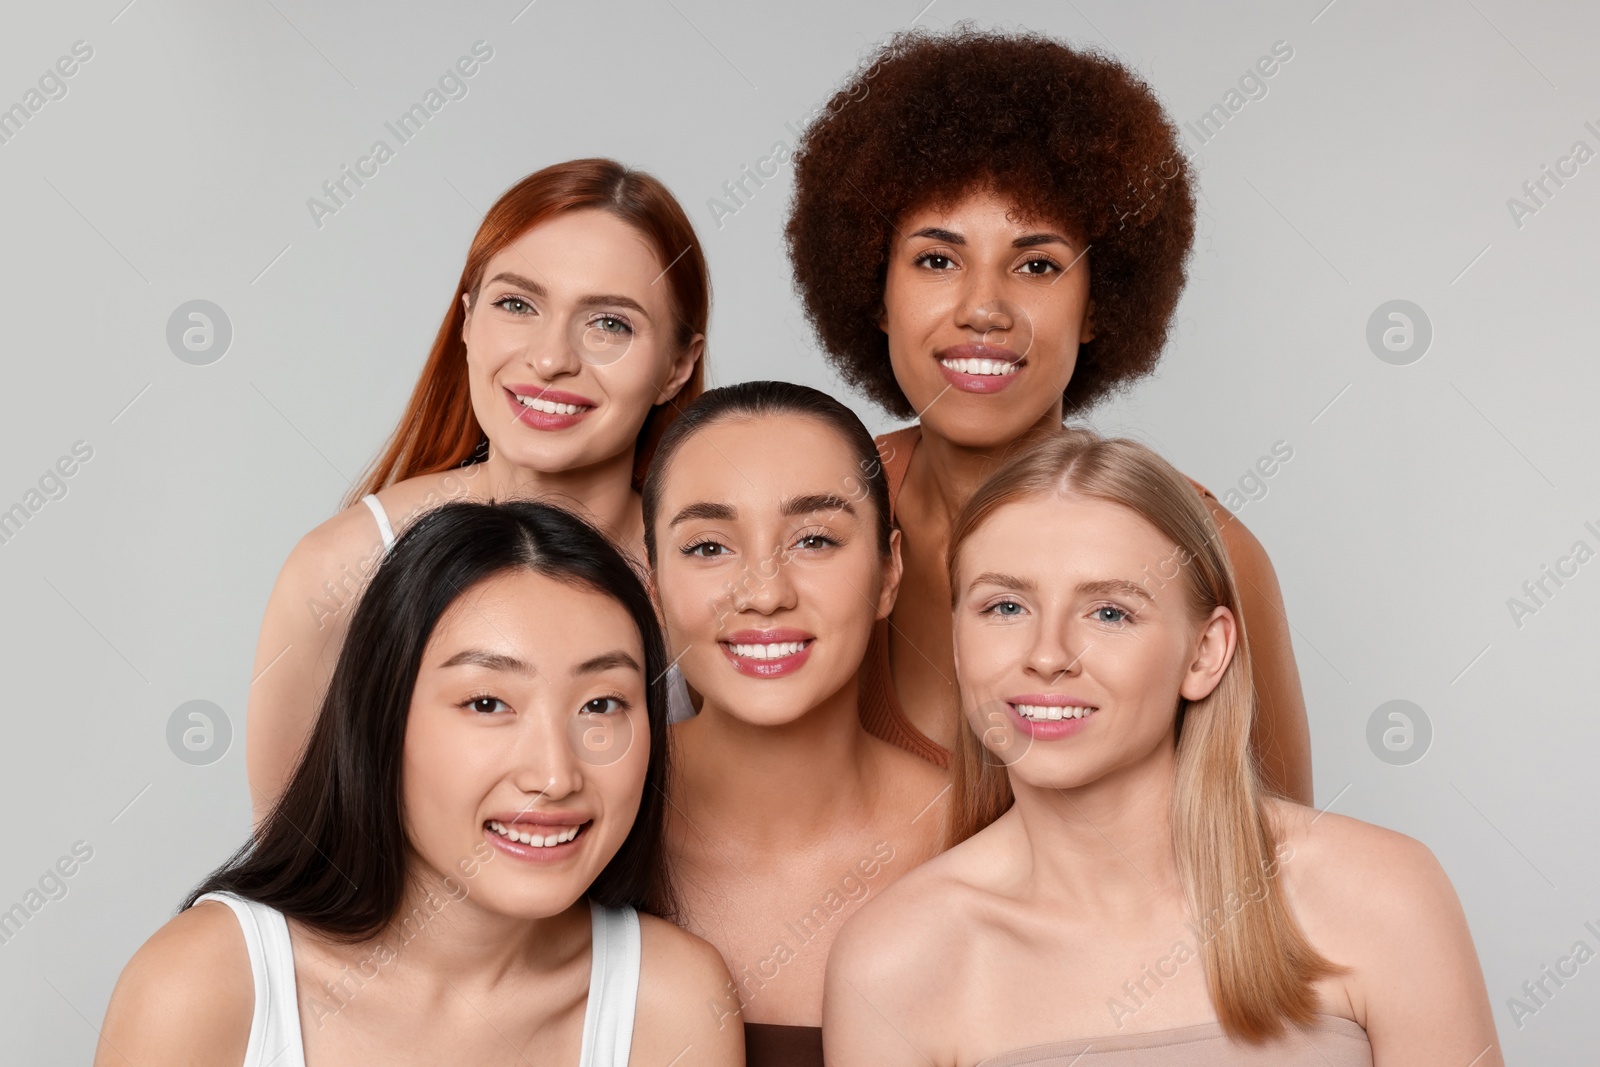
(1067, 135)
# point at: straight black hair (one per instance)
(333, 853)
(755, 399)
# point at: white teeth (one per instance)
(772, 651)
(1051, 711)
(561, 837)
(549, 407)
(993, 367)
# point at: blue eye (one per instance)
(1007, 609)
(1119, 615)
(605, 706)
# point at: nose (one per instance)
(1055, 652)
(545, 767)
(550, 352)
(983, 309)
(765, 586)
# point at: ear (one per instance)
(1213, 651)
(882, 318)
(466, 320)
(893, 571)
(682, 368)
(1086, 334)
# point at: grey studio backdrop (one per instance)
(1392, 287)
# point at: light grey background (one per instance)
(1378, 167)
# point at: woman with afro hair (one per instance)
(989, 234)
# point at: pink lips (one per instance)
(545, 420)
(978, 383)
(1049, 729)
(535, 824)
(775, 667)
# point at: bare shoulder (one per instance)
(186, 997)
(686, 998)
(1329, 859)
(904, 939)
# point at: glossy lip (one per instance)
(548, 819)
(1051, 729)
(767, 668)
(544, 420)
(979, 383)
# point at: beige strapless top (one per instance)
(1330, 1041)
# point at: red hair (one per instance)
(439, 430)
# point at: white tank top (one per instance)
(679, 704)
(275, 1039)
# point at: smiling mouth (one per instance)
(1052, 712)
(998, 368)
(550, 407)
(560, 837)
(772, 650)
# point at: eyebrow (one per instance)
(608, 661)
(808, 504)
(705, 509)
(814, 502)
(499, 661)
(596, 300)
(1029, 241)
(1100, 587)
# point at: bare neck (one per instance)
(775, 787)
(602, 492)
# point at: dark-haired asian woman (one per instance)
(459, 865)
(989, 255)
(575, 330)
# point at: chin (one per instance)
(985, 425)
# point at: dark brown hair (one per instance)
(1066, 134)
(438, 429)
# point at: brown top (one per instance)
(1329, 1041)
(880, 709)
(772, 1045)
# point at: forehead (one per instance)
(584, 252)
(548, 623)
(761, 461)
(1056, 537)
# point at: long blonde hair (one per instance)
(1259, 966)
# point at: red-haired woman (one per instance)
(989, 233)
(573, 337)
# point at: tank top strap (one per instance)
(275, 1038)
(371, 501)
(613, 987)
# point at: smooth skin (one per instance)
(570, 305)
(1074, 891)
(975, 272)
(787, 814)
(497, 972)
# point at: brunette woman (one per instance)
(456, 869)
(1122, 890)
(768, 535)
(575, 331)
(989, 233)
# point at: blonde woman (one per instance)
(1120, 888)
